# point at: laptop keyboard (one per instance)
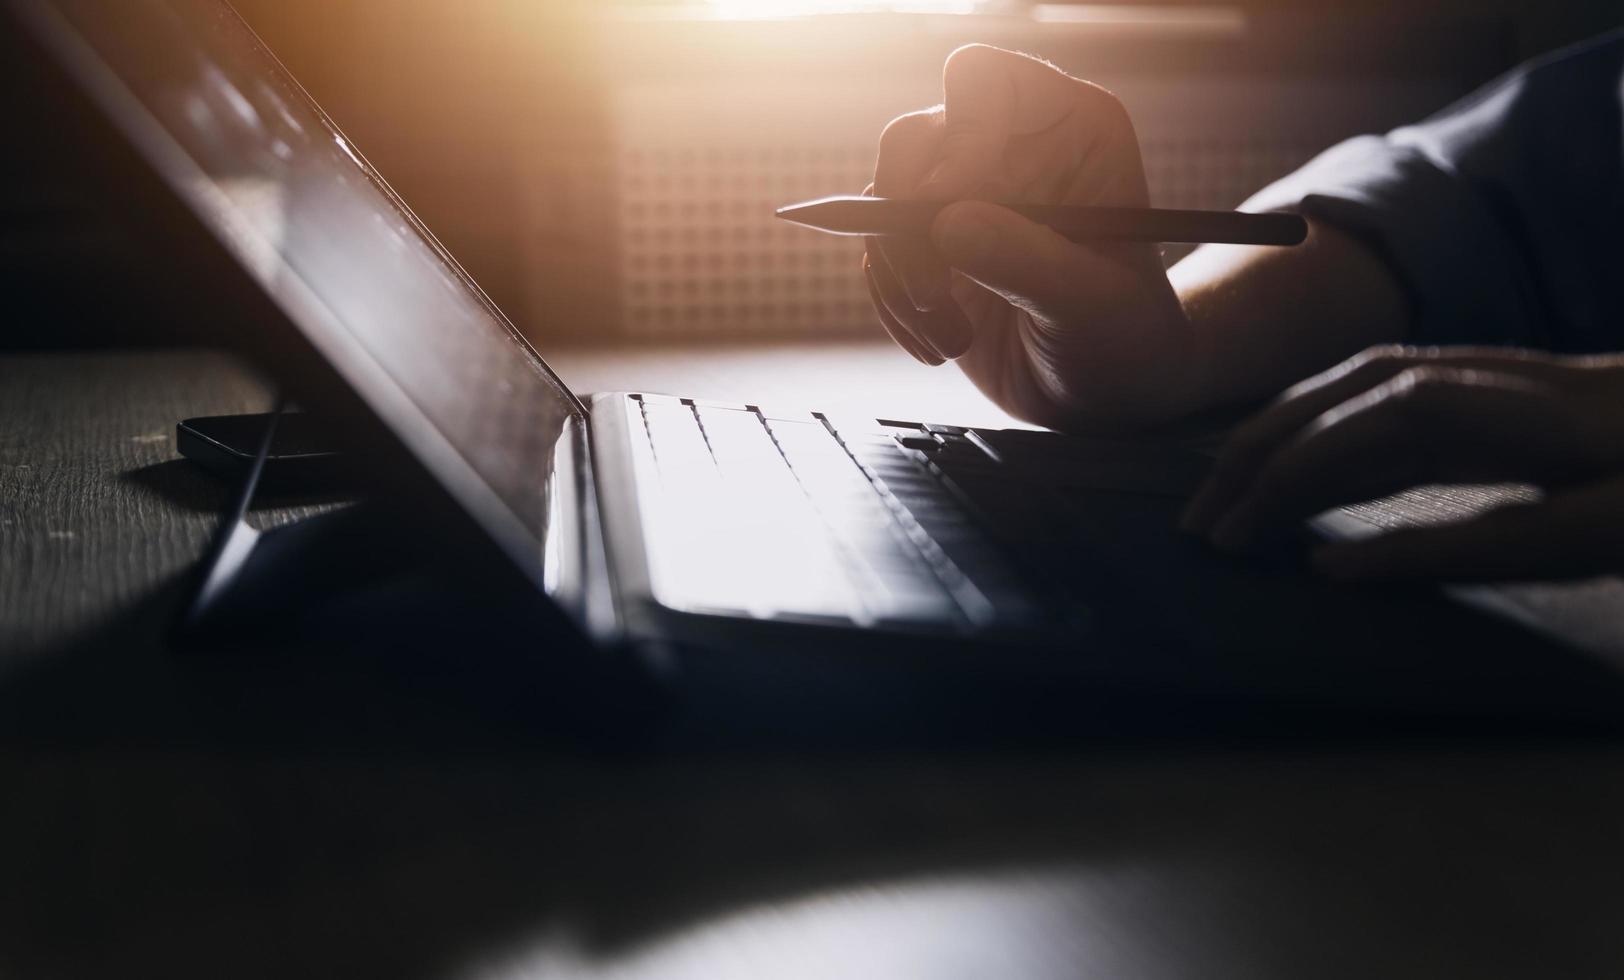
(803, 519)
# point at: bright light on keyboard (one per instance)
(789, 519)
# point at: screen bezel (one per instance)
(312, 344)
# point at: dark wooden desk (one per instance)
(134, 842)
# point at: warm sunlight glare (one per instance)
(779, 9)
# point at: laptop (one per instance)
(792, 560)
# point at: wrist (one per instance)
(1262, 319)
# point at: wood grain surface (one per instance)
(96, 505)
(78, 500)
(145, 830)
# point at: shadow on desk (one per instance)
(168, 818)
(259, 819)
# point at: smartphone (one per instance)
(304, 457)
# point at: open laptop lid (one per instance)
(275, 182)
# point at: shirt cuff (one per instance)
(1464, 273)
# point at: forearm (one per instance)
(1262, 319)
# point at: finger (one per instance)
(1574, 534)
(898, 333)
(1028, 264)
(990, 95)
(908, 149)
(919, 268)
(893, 299)
(980, 304)
(1426, 425)
(944, 332)
(893, 328)
(1253, 442)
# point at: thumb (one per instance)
(988, 96)
(1026, 263)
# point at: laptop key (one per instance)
(738, 436)
(735, 531)
(922, 443)
(958, 543)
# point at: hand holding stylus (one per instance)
(882, 217)
(1063, 334)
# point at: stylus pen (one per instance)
(884, 217)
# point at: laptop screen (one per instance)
(301, 209)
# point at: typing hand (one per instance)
(1395, 417)
(1060, 334)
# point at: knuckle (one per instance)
(1410, 380)
(1384, 352)
(1428, 379)
(1418, 390)
(971, 60)
(1108, 112)
(1384, 356)
(906, 129)
(1380, 364)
